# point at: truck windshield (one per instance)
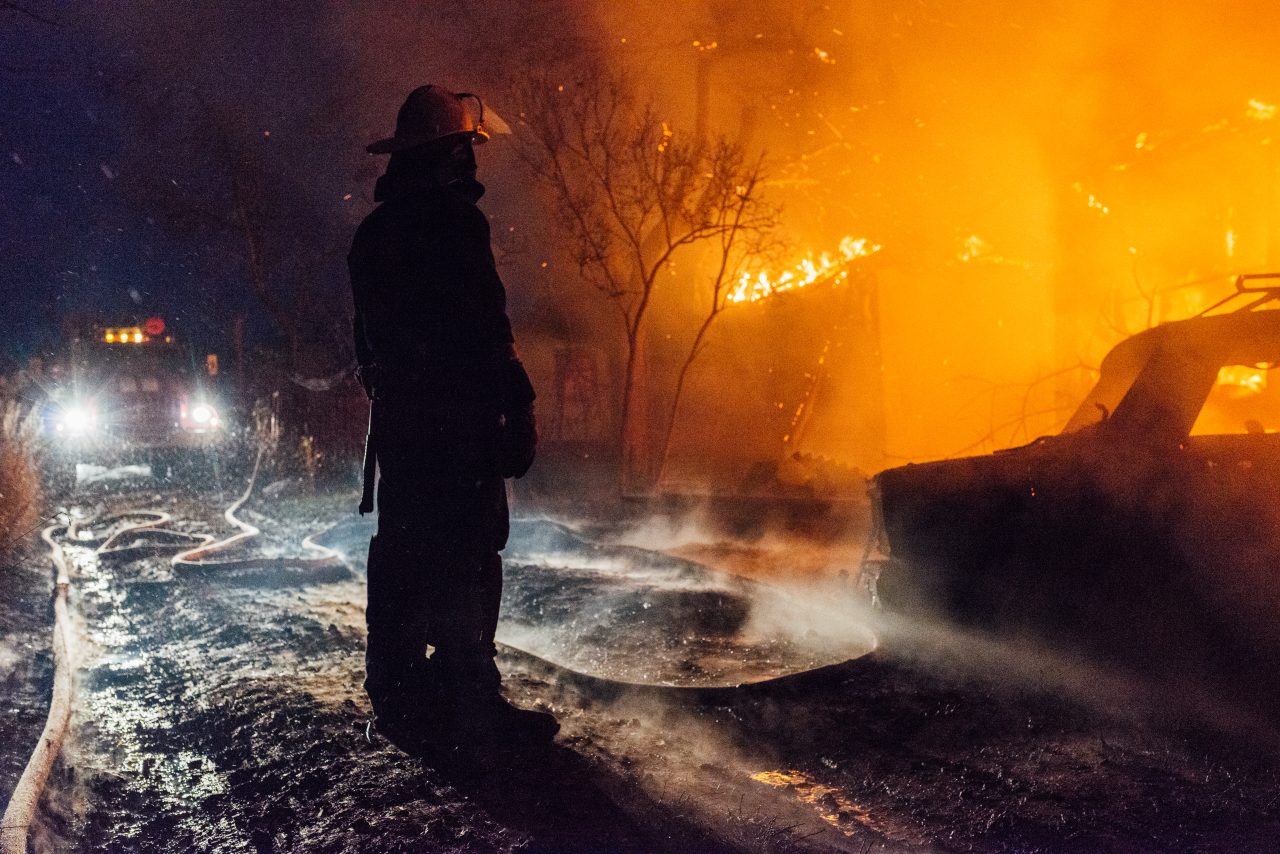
(167, 359)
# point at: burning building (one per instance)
(1022, 224)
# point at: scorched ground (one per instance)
(220, 709)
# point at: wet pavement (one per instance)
(221, 711)
(26, 657)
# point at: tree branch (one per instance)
(22, 9)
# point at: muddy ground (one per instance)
(220, 710)
(26, 655)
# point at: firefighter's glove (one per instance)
(519, 442)
(367, 375)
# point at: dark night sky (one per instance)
(72, 241)
(54, 192)
(112, 168)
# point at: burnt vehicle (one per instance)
(132, 394)
(1147, 532)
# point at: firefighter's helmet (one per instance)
(431, 113)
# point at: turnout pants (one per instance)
(434, 580)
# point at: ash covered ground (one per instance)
(220, 709)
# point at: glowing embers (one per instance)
(753, 287)
(835, 809)
(1260, 110)
(976, 250)
(1244, 379)
(1093, 202)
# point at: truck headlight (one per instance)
(200, 418)
(77, 420)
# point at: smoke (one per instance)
(1031, 171)
(921, 669)
(1021, 665)
(646, 616)
(655, 601)
(1038, 176)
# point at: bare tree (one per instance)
(631, 194)
(227, 196)
(745, 226)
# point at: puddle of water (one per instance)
(129, 691)
(635, 615)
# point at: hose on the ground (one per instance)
(24, 801)
(21, 811)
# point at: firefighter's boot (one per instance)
(399, 679)
(533, 726)
(470, 684)
(476, 713)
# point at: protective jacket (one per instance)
(451, 417)
(431, 331)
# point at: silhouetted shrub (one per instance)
(20, 493)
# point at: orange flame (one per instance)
(1260, 110)
(753, 287)
(1246, 379)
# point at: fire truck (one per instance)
(133, 394)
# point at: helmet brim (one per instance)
(394, 144)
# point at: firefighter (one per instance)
(451, 417)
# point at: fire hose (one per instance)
(206, 545)
(193, 555)
(26, 795)
(23, 802)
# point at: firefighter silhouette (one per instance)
(451, 416)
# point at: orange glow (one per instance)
(1243, 378)
(1032, 216)
(1261, 111)
(753, 287)
(832, 805)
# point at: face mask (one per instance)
(459, 165)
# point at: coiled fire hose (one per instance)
(23, 802)
(196, 556)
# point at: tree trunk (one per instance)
(669, 428)
(636, 474)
